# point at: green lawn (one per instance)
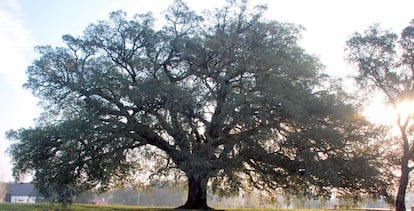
(75, 207)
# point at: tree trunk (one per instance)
(197, 195)
(405, 171)
(402, 188)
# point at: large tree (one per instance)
(227, 101)
(385, 64)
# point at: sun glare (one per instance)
(405, 109)
(379, 112)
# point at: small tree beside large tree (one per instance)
(227, 101)
(385, 64)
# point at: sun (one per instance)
(405, 109)
(379, 112)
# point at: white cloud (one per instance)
(16, 44)
(18, 107)
(12, 5)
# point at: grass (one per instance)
(75, 207)
(86, 207)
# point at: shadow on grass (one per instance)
(90, 207)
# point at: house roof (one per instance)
(22, 189)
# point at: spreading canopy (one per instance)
(227, 100)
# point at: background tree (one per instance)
(385, 63)
(227, 101)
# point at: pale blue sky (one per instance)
(27, 23)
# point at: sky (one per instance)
(25, 24)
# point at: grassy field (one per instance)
(75, 207)
(79, 207)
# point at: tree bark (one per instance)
(197, 195)
(400, 201)
(405, 171)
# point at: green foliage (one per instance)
(228, 100)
